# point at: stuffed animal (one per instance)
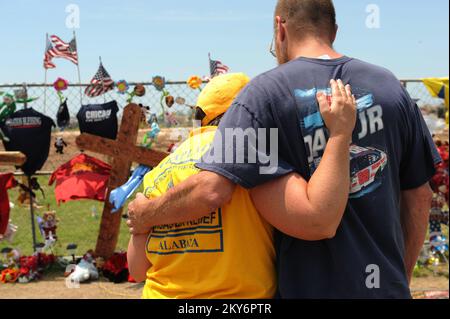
(24, 192)
(85, 270)
(170, 119)
(151, 136)
(59, 145)
(49, 225)
(144, 111)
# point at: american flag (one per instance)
(100, 84)
(56, 48)
(66, 50)
(216, 67)
(50, 53)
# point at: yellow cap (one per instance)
(219, 93)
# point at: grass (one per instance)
(76, 223)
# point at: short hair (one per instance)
(316, 17)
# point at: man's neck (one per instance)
(312, 49)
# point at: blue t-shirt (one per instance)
(392, 151)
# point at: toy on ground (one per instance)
(85, 270)
(59, 145)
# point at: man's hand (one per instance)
(340, 116)
(137, 209)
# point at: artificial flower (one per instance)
(170, 101)
(139, 90)
(180, 100)
(159, 83)
(194, 82)
(8, 99)
(61, 84)
(122, 87)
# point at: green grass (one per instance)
(76, 223)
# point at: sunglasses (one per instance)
(272, 49)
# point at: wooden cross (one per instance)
(124, 152)
(12, 158)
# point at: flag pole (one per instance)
(45, 76)
(78, 69)
(45, 91)
(104, 97)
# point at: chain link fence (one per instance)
(48, 101)
(420, 93)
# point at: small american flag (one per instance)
(217, 67)
(56, 48)
(100, 84)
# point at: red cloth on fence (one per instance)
(7, 181)
(83, 177)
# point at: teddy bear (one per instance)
(85, 270)
(49, 225)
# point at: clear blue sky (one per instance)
(138, 39)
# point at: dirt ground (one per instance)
(53, 286)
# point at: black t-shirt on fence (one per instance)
(29, 132)
(63, 116)
(99, 119)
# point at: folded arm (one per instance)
(195, 197)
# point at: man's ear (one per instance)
(334, 35)
(280, 29)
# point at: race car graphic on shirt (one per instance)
(366, 165)
(367, 162)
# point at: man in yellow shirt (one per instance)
(226, 254)
(206, 257)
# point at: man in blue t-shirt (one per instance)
(371, 253)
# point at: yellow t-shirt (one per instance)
(226, 254)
